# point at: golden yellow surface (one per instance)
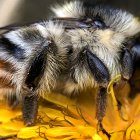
(62, 118)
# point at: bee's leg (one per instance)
(101, 103)
(135, 51)
(135, 80)
(127, 64)
(102, 77)
(35, 73)
(101, 108)
(29, 108)
(98, 69)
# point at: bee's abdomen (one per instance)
(11, 49)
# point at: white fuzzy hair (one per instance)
(71, 9)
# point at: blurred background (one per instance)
(23, 11)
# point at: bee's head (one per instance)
(99, 17)
(102, 30)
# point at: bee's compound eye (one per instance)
(97, 23)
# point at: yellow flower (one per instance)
(62, 118)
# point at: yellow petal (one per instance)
(133, 130)
(4, 132)
(13, 125)
(28, 132)
(96, 137)
(7, 114)
(59, 99)
(118, 135)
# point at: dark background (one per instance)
(32, 10)
(35, 9)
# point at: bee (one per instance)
(81, 47)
